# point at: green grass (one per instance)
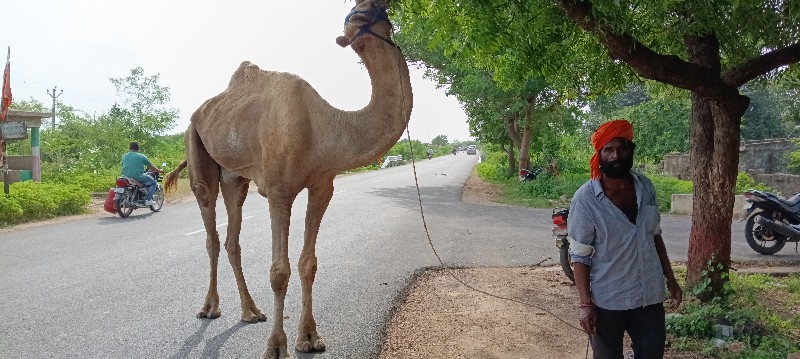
(762, 309)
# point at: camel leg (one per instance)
(234, 192)
(204, 175)
(280, 210)
(318, 198)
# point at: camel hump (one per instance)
(246, 71)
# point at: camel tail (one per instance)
(171, 180)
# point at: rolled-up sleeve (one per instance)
(581, 233)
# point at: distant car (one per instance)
(471, 151)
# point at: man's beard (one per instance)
(618, 168)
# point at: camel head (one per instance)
(367, 21)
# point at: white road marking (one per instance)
(219, 225)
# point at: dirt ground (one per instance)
(524, 312)
(443, 318)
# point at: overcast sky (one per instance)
(195, 46)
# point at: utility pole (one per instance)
(54, 96)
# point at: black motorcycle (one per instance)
(529, 175)
(771, 221)
(560, 216)
(130, 195)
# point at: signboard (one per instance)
(13, 130)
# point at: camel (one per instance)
(274, 129)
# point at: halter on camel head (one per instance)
(372, 16)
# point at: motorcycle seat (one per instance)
(791, 201)
(135, 182)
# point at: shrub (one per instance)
(666, 187)
(495, 168)
(45, 200)
(10, 211)
(746, 182)
(36, 203)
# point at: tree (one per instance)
(682, 44)
(709, 48)
(143, 110)
(440, 140)
(762, 119)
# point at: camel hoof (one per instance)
(309, 343)
(209, 313)
(276, 353)
(253, 315)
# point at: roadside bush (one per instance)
(10, 211)
(36, 203)
(495, 168)
(666, 187)
(746, 182)
(94, 181)
(46, 200)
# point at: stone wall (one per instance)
(682, 204)
(765, 156)
(678, 165)
(784, 183)
(755, 157)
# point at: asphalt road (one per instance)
(108, 287)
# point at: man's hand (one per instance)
(675, 294)
(588, 319)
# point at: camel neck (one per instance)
(381, 123)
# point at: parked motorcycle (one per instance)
(130, 195)
(529, 175)
(771, 221)
(560, 216)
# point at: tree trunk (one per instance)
(525, 141)
(715, 157)
(512, 161)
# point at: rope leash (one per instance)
(425, 223)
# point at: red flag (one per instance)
(6, 100)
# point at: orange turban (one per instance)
(604, 134)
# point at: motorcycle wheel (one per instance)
(124, 205)
(158, 197)
(563, 258)
(762, 240)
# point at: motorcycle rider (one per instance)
(133, 163)
(430, 153)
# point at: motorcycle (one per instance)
(430, 155)
(529, 175)
(130, 195)
(560, 216)
(771, 221)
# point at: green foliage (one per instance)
(10, 211)
(666, 187)
(440, 140)
(402, 148)
(746, 182)
(495, 168)
(763, 118)
(34, 200)
(89, 181)
(764, 330)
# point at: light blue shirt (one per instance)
(625, 270)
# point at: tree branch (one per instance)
(647, 63)
(761, 65)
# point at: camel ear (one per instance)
(343, 41)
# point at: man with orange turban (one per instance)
(617, 253)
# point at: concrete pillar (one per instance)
(36, 166)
